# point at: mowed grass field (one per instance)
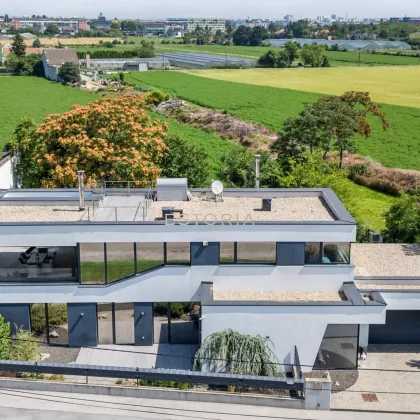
(391, 85)
(270, 106)
(36, 98)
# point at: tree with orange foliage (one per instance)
(110, 139)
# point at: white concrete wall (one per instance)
(6, 173)
(402, 301)
(70, 235)
(183, 284)
(287, 326)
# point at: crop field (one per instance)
(269, 106)
(392, 85)
(338, 57)
(35, 98)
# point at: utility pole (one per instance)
(163, 61)
(359, 57)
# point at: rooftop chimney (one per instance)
(257, 171)
(81, 190)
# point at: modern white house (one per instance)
(273, 262)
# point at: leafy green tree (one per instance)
(269, 59)
(291, 51)
(4, 339)
(402, 220)
(51, 30)
(37, 43)
(242, 35)
(28, 65)
(257, 36)
(330, 123)
(238, 168)
(231, 352)
(313, 55)
(184, 159)
(121, 76)
(144, 50)
(69, 73)
(18, 46)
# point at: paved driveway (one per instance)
(392, 373)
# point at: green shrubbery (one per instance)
(57, 315)
(178, 309)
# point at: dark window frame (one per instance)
(235, 256)
(176, 263)
(321, 259)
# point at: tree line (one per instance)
(311, 55)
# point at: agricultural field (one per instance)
(391, 85)
(398, 147)
(35, 98)
(339, 58)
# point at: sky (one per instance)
(159, 9)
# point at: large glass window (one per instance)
(49, 263)
(149, 255)
(313, 253)
(178, 253)
(92, 263)
(119, 260)
(256, 252)
(338, 348)
(336, 253)
(227, 252)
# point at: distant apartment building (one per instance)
(101, 22)
(190, 24)
(412, 21)
(69, 26)
(155, 28)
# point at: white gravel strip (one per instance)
(242, 208)
(388, 286)
(386, 259)
(40, 213)
(277, 296)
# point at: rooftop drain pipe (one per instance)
(81, 190)
(257, 171)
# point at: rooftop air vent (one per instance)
(376, 238)
(172, 189)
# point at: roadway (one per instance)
(41, 405)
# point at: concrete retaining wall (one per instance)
(153, 393)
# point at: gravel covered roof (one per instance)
(386, 260)
(291, 296)
(40, 214)
(244, 208)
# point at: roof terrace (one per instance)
(142, 205)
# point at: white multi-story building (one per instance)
(275, 262)
(64, 25)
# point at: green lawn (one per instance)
(214, 145)
(352, 57)
(269, 106)
(94, 272)
(35, 98)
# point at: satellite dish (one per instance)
(217, 187)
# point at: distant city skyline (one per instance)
(160, 9)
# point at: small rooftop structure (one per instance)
(172, 189)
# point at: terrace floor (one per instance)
(159, 356)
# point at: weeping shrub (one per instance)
(231, 352)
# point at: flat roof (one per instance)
(292, 296)
(386, 260)
(247, 209)
(115, 205)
